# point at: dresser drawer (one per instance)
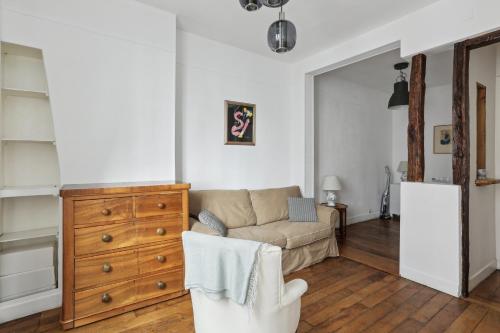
(104, 269)
(103, 238)
(105, 298)
(159, 285)
(158, 205)
(158, 258)
(102, 210)
(157, 231)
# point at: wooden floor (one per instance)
(343, 296)
(488, 292)
(374, 243)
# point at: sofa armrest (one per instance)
(196, 226)
(293, 292)
(327, 215)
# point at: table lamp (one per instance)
(331, 184)
(403, 168)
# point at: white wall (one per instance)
(421, 31)
(438, 111)
(209, 73)
(111, 76)
(482, 249)
(430, 236)
(399, 122)
(353, 141)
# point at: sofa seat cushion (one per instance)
(258, 234)
(299, 233)
(271, 205)
(232, 207)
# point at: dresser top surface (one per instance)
(127, 187)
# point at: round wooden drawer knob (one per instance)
(161, 259)
(161, 231)
(106, 238)
(106, 298)
(106, 268)
(162, 205)
(161, 285)
(106, 212)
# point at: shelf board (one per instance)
(28, 234)
(28, 191)
(25, 93)
(21, 50)
(487, 181)
(53, 141)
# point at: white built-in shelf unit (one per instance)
(29, 168)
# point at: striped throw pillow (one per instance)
(213, 222)
(302, 210)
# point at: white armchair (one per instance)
(276, 308)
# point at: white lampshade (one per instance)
(403, 166)
(331, 183)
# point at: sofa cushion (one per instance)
(202, 228)
(271, 205)
(258, 234)
(232, 207)
(299, 233)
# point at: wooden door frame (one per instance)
(461, 135)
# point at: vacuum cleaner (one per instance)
(385, 211)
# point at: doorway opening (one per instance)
(356, 136)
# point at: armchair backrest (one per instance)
(269, 313)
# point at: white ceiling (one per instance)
(320, 23)
(378, 72)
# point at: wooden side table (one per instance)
(342, 209)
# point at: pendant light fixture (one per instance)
(251, 5)
(282, 35)
(401, 96)
(274, 3)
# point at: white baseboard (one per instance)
(29, 305)
(449, 287)
(482, 274)
(498, 263)
(362, 218)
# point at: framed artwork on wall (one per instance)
(443, 139)
(239, 121)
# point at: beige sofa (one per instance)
(262, 215)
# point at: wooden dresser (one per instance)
(122, 248)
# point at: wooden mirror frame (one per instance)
(461, 135)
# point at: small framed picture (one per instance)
(443, 139)
(239, 121)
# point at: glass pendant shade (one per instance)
(401, 97)
(282, 35)
(251, 5)
(274, 3)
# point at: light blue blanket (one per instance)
(221, 267)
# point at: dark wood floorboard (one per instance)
(343, 296)
(374, 243)
(488, 292)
